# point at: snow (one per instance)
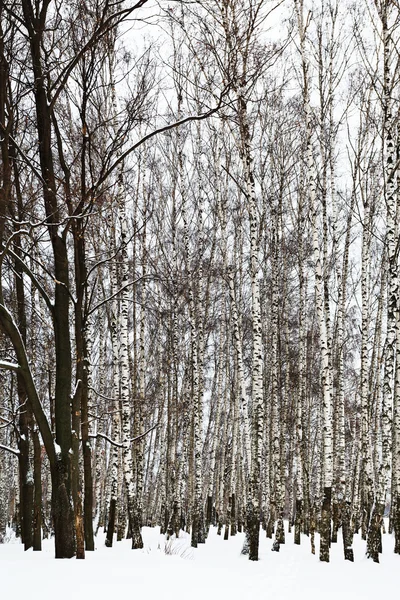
(215, 570)
(6, 364)
(29, 477)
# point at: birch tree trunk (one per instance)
(126, 409)
(342, 485)
(197, 514)
(374, 542)
(116, 413)
(302, 362)
(253, 501)
(326, 375)
(366, 460)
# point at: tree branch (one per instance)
(116, 444)
(155, 132)
(110, 23)
(100, 304)
(33, 279)
(10, 329)
(11, 450)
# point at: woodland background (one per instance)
(199, 302)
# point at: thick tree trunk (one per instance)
(396, 524)
(75, 473)
(26, 480)
(63, 517)
(37, 478)
(325, 526)
(80, 416)
(111, 521)
(374, 541)
(87, 472)
(298, 521)
(347, 531)
(63, 513)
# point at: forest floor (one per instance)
(213, 571)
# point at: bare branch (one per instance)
(117, 444)
(11, 450)
(155, 132)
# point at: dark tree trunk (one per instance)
(366, 509)
(201, 527)
(209, 508)
(313, 526)
(64, 523)
(164, 520)
(75, 473)
(111, 523)
(134, 523)
(335, 521)
(87, 472)
(37, 478)
(173, 526)
(347, 532)
(280, 530)
(25, 470)
(195, 526)
(63, 513)
(25, 413)
(253, 529)
(396, 524)
(233, 516)
(270, 526)
(26, 496)
(305, 512)
(220, 524)
(298, 522)
(374, 540)
(325, 526)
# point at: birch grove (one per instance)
(199, 253)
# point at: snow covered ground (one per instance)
(215, 571)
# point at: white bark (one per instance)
(326, 374)
(240, 369)
(126, 408)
